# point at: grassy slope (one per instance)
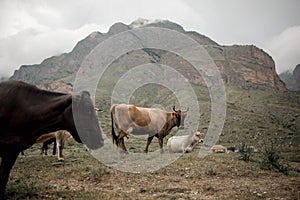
(217, 176)
(253, 117)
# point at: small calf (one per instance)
(184, 143)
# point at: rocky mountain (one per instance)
(245, 66)
(292, 79)
(57, 86)
(294, 83)
(285, 76)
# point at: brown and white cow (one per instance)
(130, 119)
(27, 112)
(60, 137)
(184, 143)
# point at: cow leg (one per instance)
(54, 148)
(148, 143)
(7, 163)
(44, 149)
(60, 156)
(46, 144)
(60, 147)
(160, 141)
(121, 143)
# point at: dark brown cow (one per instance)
(27, 112)
(130, 119)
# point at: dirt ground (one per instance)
(81, 176)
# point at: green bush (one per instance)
(245, 152)
(271, 159)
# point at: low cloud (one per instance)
(30, 46)
(285, 49)
(31, 31)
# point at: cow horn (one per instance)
(174, 108)
(187, 109)
(97, 109)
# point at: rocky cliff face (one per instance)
(244, 66)
(57, 86)
(292, 81)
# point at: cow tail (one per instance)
(115, 138)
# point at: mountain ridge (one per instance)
(245, 66)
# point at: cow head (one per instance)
(183, 115)
(199, 137)
(82, 122)
(176, 117)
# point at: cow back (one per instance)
(137, 120)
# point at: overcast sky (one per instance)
(32, 30)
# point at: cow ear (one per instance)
(83, 93)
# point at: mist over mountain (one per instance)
(245, 66)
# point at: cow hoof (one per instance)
(61, 159)
(123, 151)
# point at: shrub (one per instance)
(271, 159)
(245, 152)
(211, 171)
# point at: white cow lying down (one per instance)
(184, 143)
